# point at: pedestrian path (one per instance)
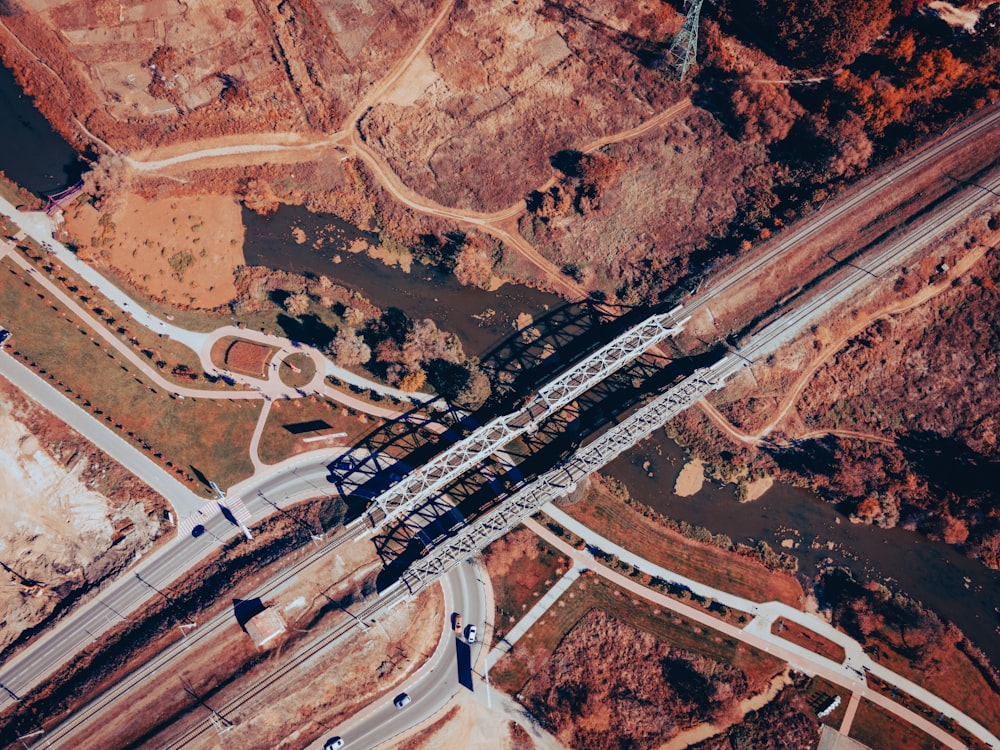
(535, 613)
(234, 505)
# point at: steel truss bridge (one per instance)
(422, 483)
(564, 478)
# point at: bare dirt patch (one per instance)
(470, 725)
(73, 517)
(691, 479)
(517, 83)
(183, 249)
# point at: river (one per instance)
(34, 155)
(481, 319)
(954, 586)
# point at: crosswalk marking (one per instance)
(212, 509)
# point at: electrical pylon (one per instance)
(684, 49)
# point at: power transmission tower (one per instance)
(684, 49)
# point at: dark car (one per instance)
(401, 700)
(333, 743)
(4, 335)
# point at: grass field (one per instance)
(514, 670)
(522, 568)
(188, 436)
(290, 421)
(303, 363)
(705, 563)
(792, 631)
(881, 730)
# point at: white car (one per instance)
(470, 634)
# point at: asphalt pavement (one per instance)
(449, 670)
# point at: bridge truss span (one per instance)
(420, 485)
(563, 479)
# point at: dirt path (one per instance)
(378, 92)
(791, 398)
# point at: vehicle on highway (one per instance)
(470, 634)
(4, 335)
(456, 621)
(333, 743)
(401, 700)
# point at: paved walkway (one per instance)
(849, 674)
(535, 613)
(40, 227)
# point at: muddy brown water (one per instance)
(956, 587)
(32, 154)
(481, 319)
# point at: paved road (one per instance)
(286, 484)
(436, 682)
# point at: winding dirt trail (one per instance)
(791, 398)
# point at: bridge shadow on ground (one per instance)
(526, 360)
(465, 499)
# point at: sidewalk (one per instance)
(535, 613)
(850, 674)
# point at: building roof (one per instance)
(265, 625)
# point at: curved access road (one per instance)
(448, 671)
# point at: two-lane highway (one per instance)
(449, 670)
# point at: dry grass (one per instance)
(959, 687)
(880, 730)
(175, 361)
(705, 563)
(522, 568)
(208, 436)
(278, 442)
(248, 357)
(792, 631)
(529, 655)
(297, 370)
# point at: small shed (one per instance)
(265, 626)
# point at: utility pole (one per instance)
(684, 49)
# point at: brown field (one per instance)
(531, 653)
(522, 568)
(181, 435)
(279, 442)
(590, 699)
(706, 563)
(792, 631)
(671, 188)
(504, 86)
(182, 250)
(248, 357)
(881, 730)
